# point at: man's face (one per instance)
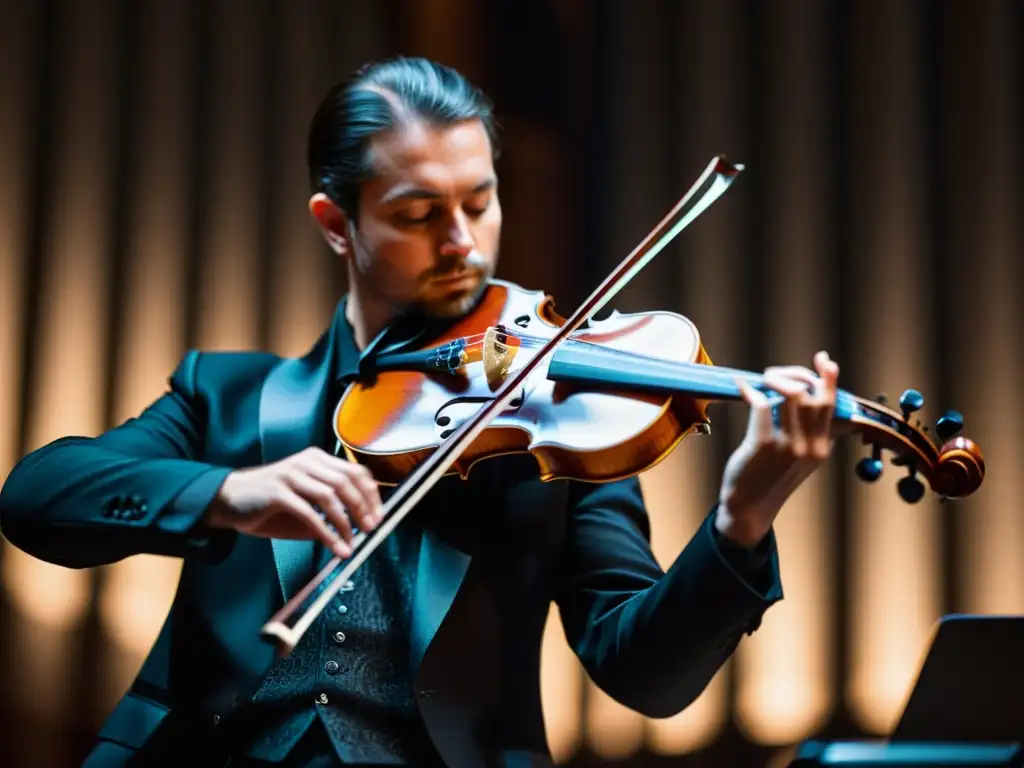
(429, 220)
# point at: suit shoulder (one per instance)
(234, 363)
(219, 371)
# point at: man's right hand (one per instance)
(277, 500)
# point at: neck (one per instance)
(366, 317)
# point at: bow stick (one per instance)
(712, 183)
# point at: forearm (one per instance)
(656, 649)
(79, 503)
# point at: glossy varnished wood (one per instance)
(395, 423)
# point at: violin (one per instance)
(596, 404)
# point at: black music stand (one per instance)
(966, 707)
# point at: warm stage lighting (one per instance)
(561, 690)
(229, 292)
(302, 289)
(613, 731)
(135, 599)
(678, 499)
(13, 261)
(696, 727)
(990, 359)
(895, 602)
(57, 598)
(895, 550)
(782, 669)
(67, 386)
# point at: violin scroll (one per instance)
(960, 470)
(953, 469)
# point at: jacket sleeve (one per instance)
(138, 488)
(652, 639)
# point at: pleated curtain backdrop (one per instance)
(153, 199)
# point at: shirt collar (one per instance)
(346, 353)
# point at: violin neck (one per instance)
(588, 365)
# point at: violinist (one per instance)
(429, 655)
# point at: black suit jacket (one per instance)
(496, 550)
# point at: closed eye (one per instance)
(433, 212)
(406, 218)
(478, 210)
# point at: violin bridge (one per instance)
(498, 355)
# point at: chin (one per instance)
(451, 310)
(457, 304)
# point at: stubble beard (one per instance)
(452, 309)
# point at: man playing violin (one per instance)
(430, 654)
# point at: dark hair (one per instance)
(355, 110)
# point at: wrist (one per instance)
(218, 513)
(741, 528)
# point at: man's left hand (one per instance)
(773, 460)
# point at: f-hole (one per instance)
(443, 420)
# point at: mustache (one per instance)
(455, 266)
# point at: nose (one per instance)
(459, 239)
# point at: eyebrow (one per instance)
(419, 193)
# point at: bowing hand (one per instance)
(774, 459)
(309, 495)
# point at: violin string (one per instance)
(698, 373)
(708, 373)
(705, 374)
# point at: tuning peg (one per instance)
(870, 467)
(950, 423)
(910, 401)
(881, 398)
(910, 488)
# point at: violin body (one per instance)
(600, 434)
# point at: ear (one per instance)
(333, 223)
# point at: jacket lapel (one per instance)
(291, 418)
(442, 568)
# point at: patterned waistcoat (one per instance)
(350, 671)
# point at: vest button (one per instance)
(331, 667)
(339, 637)
(342, 609)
